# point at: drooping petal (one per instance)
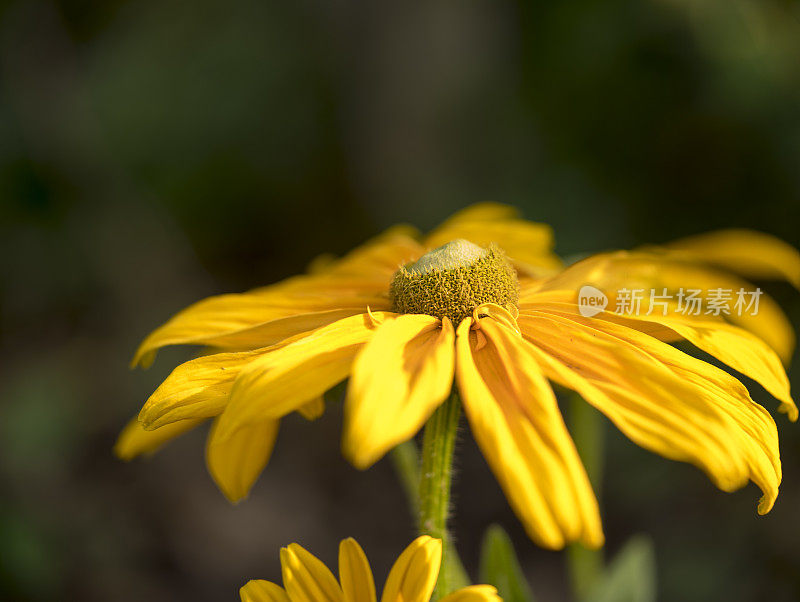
(662, 399)
(196, 389)
(258, 590)
(134, 440)
(474, 593)
(732, 345)
(355, 574)
(236, 462)
(514, 416)
(284, 380)
(748, 252)
(657, 273)
(741, 351)
(414, 574)
(306, 578)
(402, 375)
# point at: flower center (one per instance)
(453, 280)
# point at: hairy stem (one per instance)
(438, 446)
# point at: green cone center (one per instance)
(454, 279)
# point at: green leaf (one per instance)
(500, 567)
(631, 576)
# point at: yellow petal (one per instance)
(474, 593)
(661, 398)
(646, 272)
(747, 252)
(483, 212)
(734, 346)
(258, 590)
(529, 245)
(415, 572)
(355, 575)
(282, 381)
(196, 389)
(381, 256)
(306, 578)
(134, 440)
(242, 321)
(516, 421)
(236, 462)
(741, 351)
(313, 409)
(402, 375)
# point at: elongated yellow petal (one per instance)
(415, 572)
(663, 399)
(646, 272)
(474, 593)
(134, 440)
(306, 578)
(196, 389)
(248, 320)
(313, 409)
(398, 380)
(741, 351)
(355, 575)
(734, 346)
(747, 252)
(236, 462)
(258, 590)
(515, 419)
(286, 379)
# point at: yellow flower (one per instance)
(412, 578)
(280, 348)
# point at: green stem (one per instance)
(588, 432)
(438, 446)
(405, 458)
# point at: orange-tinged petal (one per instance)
(355, 575)
(258, 590)
(288, 378)
(313, 409)
(236, 462)
(306, 578)
(747, 252)
(474, 593)
(134, 440)
(663, 399)
(196, 389)
(400, 377)
(414, 574)
(514, 416)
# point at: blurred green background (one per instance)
(152, 153)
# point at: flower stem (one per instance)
(405, 458)
(588, 432)
(438, 447)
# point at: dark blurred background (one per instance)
(153, 153)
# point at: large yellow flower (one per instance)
(412, 578)
(280, 348)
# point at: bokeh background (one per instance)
(156, 152)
